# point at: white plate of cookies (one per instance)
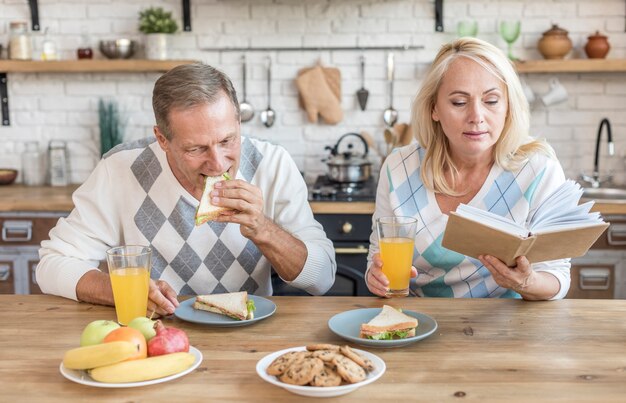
(320, 370)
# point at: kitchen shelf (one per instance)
(90, 66)
(571, 66)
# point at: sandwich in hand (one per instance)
(235, 304)
(207, 211)
(389, 324)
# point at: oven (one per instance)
(349, 233)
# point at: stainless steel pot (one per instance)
(347, 167)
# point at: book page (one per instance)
(491, 219)
(560, 210)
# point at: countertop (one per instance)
(47, 198)
(483, 350)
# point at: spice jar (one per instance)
(33, 165)
(597, 46)
(58, 163)
(20, 46)
(555, 43)
(84, 51)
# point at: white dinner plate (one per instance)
(82, 377)
(318, 391)
(348, 325)
(185, 311)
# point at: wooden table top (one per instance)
(484, 350)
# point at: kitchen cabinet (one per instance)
(20, 237)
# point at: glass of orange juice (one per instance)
(129, 269)
(396, 238)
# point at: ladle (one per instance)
(246, 111)
(390, 115)
(268, 116)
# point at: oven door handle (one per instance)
(616, 235)
(351, 251)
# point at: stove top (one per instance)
(325, 189)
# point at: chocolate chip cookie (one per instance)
(301, 372)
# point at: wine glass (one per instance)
(467, 28)
(510, 30)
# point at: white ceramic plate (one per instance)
(348, 325)
(316, 391)
(185, 311)
(82, 377)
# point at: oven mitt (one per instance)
(317, 94)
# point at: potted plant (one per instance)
(157, 24)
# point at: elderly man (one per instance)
(146, 192)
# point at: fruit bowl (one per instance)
(118, 48)
(7, 176)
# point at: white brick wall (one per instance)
(64, 106)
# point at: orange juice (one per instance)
(130, 291)
(397, 256)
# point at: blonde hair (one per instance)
(513, 147)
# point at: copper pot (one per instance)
(555, 43)
(597, 46)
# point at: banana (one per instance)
(143, 369)
(98, 355)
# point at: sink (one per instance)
(609, 194)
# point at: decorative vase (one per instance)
(555, 43)
(597, 46)
(157, 46)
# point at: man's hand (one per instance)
(162, 298)
(376, 280)
(247, 202)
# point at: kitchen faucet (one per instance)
(594, 179)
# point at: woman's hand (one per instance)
(376, 280)
(162, 299)
(516, 278)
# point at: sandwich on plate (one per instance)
(389, 324)
(235, 304)
(207, 211)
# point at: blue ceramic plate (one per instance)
(264, 309)
(348, 325)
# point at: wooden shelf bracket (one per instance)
(34, 14)
(187, 15)
(4, 100)
(439, 15)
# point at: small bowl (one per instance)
(7, 176)
(118, 48)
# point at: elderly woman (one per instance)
(471, 120)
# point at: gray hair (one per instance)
(187, 86)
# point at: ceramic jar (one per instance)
(597, 46)
(555, 43)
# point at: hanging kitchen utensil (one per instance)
(362, 94)
(390, 115)
(389, 136)
(246, 111)
(268, 115)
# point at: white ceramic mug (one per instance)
(556, 94)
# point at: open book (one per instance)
(558, 228)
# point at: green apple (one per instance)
(96, 331)
(144, 325)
